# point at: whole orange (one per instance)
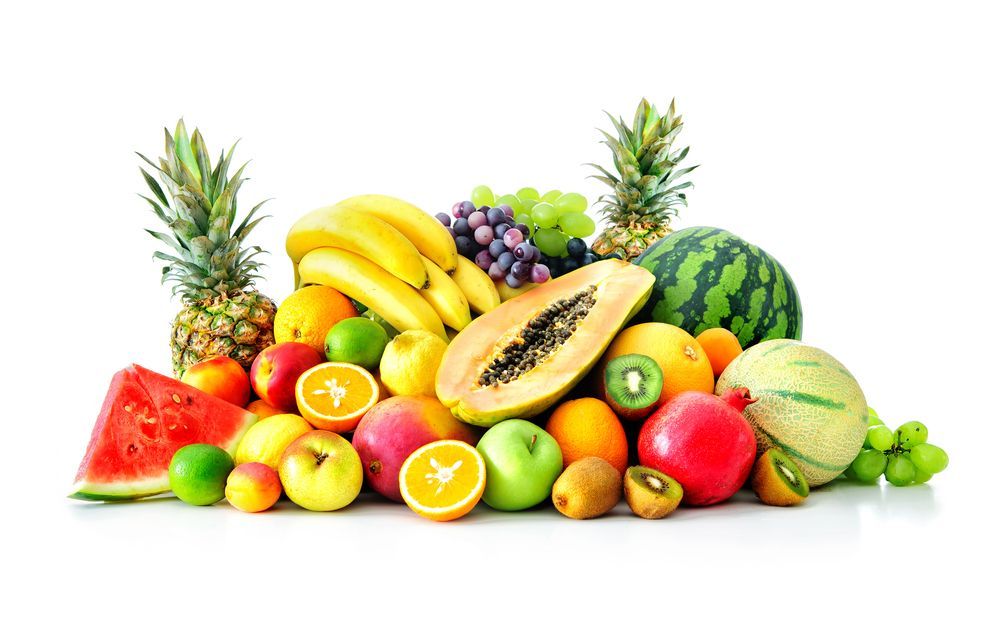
(722, 348)
(308, 314)
(683, 361)
(587, 427)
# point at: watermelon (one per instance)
(707, 277)
(145, 418)
(806, 403)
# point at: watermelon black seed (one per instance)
(541, 336)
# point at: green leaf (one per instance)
(184, 153)
(238, 232)
(204, 164)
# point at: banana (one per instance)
(361, 233)
(363, 280)
(424, 231)
(446, 297)
(476, 285)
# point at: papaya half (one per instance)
(521, 358)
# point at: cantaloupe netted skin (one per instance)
(808, 405)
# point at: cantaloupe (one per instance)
(808, 405)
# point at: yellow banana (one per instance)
(396, 302)
(424, 231)
(477, 286)
(446, 297)
(361, 233)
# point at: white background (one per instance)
(857, 143)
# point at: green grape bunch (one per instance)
(903, 456)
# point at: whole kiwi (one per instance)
(650, 493)
(587, 488)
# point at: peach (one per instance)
(253, 487)
(277, 368)
(222, 377)
(396, 427)
(263, 409)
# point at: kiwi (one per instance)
(633, 383)
(777, 480)
(650, 493)
(587, 488)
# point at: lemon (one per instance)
(410, 363)
(198, 473)
(358, 341)
(267, 439)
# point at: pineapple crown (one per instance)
(198, 204)
(647, 165)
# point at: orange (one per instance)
(721, 346)
(443, 480)
(263, 409)
(684, 363)
(334, 396)
(308, 314)
(589, 428)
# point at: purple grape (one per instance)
(588, 259)
(461, 227)
(477, 220)
(484, 209)
(495, 272)
(444, 219)
(524, 252)
(495, 216)
(497, 248)
(536, 254)
(520, 227)
(500, 229)
(521, 270)
(513, 238)
(513, 281)
(468, 208)
(452, 232)
(464, 245)
(539, 273)
(506, 260)
(507, 210)
(456, 210)
(484, 260)
(483, 235)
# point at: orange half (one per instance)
(443, 480)
(334, 396)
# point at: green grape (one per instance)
(511, 200)
(929, 458)
(920, 477)
(873, 418)
(577, 224)
(899, 470)
(482, 196)
(527, 193)
(550, 196)
(868, 465)
(526, 219)
(849, 474)
(911, 434)
(879, 438)
(565, 243)
(550, 242)
(544, 214)
(570, 202)
(527, 204)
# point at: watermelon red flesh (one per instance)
(145, 418)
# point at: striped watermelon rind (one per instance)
(707, 277)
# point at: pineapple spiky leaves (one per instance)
(646, 190)
(223, 313)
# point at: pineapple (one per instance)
(645, 196)
(223, 315)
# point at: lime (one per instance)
(198, 473)
(358, 341)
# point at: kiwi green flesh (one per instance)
(634, 381)
(789, 473)
(655, 482)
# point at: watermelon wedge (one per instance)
(145, 418)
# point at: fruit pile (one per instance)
(486, 355)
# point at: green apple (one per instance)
(320, 471)
(522, 463)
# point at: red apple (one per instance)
(702, 441)
(277, 368)
(396, 427)
(220, 376)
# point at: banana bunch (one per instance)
(393, 257)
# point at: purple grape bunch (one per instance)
(491, 238)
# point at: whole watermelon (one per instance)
(707, 277)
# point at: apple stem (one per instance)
(534, 438)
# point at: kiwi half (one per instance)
(633, 383)
(650, 493)
(777, 480)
